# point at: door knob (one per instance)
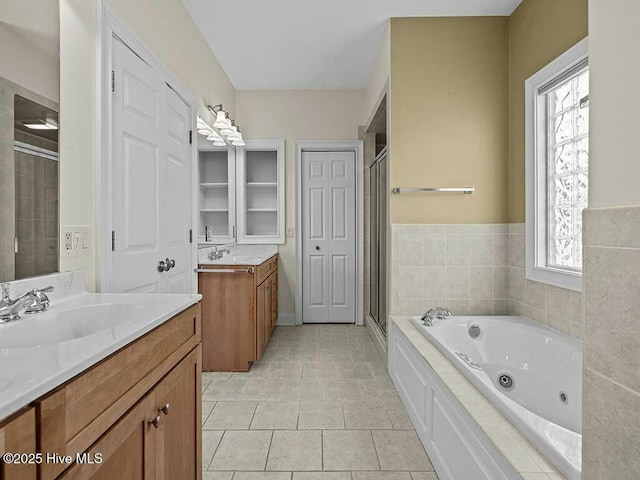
(155, 421)
(317, 247)
(165, 409)
(162, 267)
(172, 263)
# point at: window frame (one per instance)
(536, 178)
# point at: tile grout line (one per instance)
(215, 450)
(266, 461)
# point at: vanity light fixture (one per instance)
(222, 118)
(238, 143)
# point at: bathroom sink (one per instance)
(65, 325)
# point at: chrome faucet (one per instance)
(439, 313)
(216, 254)
(34, 301)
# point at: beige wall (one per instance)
(449, 118)
(167, 29)
(29, 66)
(379, 77)
(297, 115)
(614, 169)
(539, 31)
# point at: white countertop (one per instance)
(27, 373)
(240, 255)
(518, 451)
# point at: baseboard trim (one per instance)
(286, 319)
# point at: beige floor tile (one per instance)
(224, 390)
(217, 475)
(321, 476)
(381, 476)
(262, 476)
(400, 450)
(349, 450)
(257, 370)
(295, 450)
(318, 415)
(205, 384)
(206, 410)
(424, 476)
(379, 388)
(277, 355)
(257, 389)
(210, 442)
(365, 416)
(340, 389)
(399, 418)
(275, 416)
(216, 375)
(302, 389)
(285, 370)
(231, 416)
(242, 450)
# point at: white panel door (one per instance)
(176, 197)
(329, 237)
(139, 120)
(151, 180)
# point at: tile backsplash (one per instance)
(475, 269)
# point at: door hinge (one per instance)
(190, 236)
(190, 137)
(113, 240)
(113, 81)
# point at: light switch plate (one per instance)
(291, 232)
(75, 240)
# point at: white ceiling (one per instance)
(302, 44)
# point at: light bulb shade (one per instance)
(231, 130)
(213, 137)
(205, 131)
(219, 143)
(238, 142)
(201, 123)
(235, 136)
(221, 120)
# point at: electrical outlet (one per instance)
(75, 240)
(68, 242)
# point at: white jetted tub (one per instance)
(531, 373)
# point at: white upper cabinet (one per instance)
(241, 193)
(260, 192)
(217, 194)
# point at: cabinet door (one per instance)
(18, 435)
(260, 191)
(128, 449)
(261, 317)
(178, 403)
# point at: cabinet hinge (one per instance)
(113, 240)
(190, 137)
(113, 81)
(190, 236)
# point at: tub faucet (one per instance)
(437, 312)
(34, 301)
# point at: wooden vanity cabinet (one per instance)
(140, 409)
(18, 435)
(239, 313)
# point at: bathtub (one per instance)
(531, 373)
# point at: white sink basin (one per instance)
(64, 325)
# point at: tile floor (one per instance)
(318, 406)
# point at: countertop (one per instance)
(240, 255)
(28, 373)
(518, 451)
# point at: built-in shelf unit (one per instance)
(217, 193)
(241, 193)
(260, 197)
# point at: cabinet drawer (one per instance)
(265, 269)
(18, 435)
(78, 413)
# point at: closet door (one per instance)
(151, 180)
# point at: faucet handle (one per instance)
(40, 300)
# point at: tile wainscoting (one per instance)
(611, 430)
(474, 269)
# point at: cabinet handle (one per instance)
(155, 421)
(165, 409)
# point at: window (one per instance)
(557, 157)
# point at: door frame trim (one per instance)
(108, 26)
(355, 146)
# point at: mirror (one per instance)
(29, 161)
